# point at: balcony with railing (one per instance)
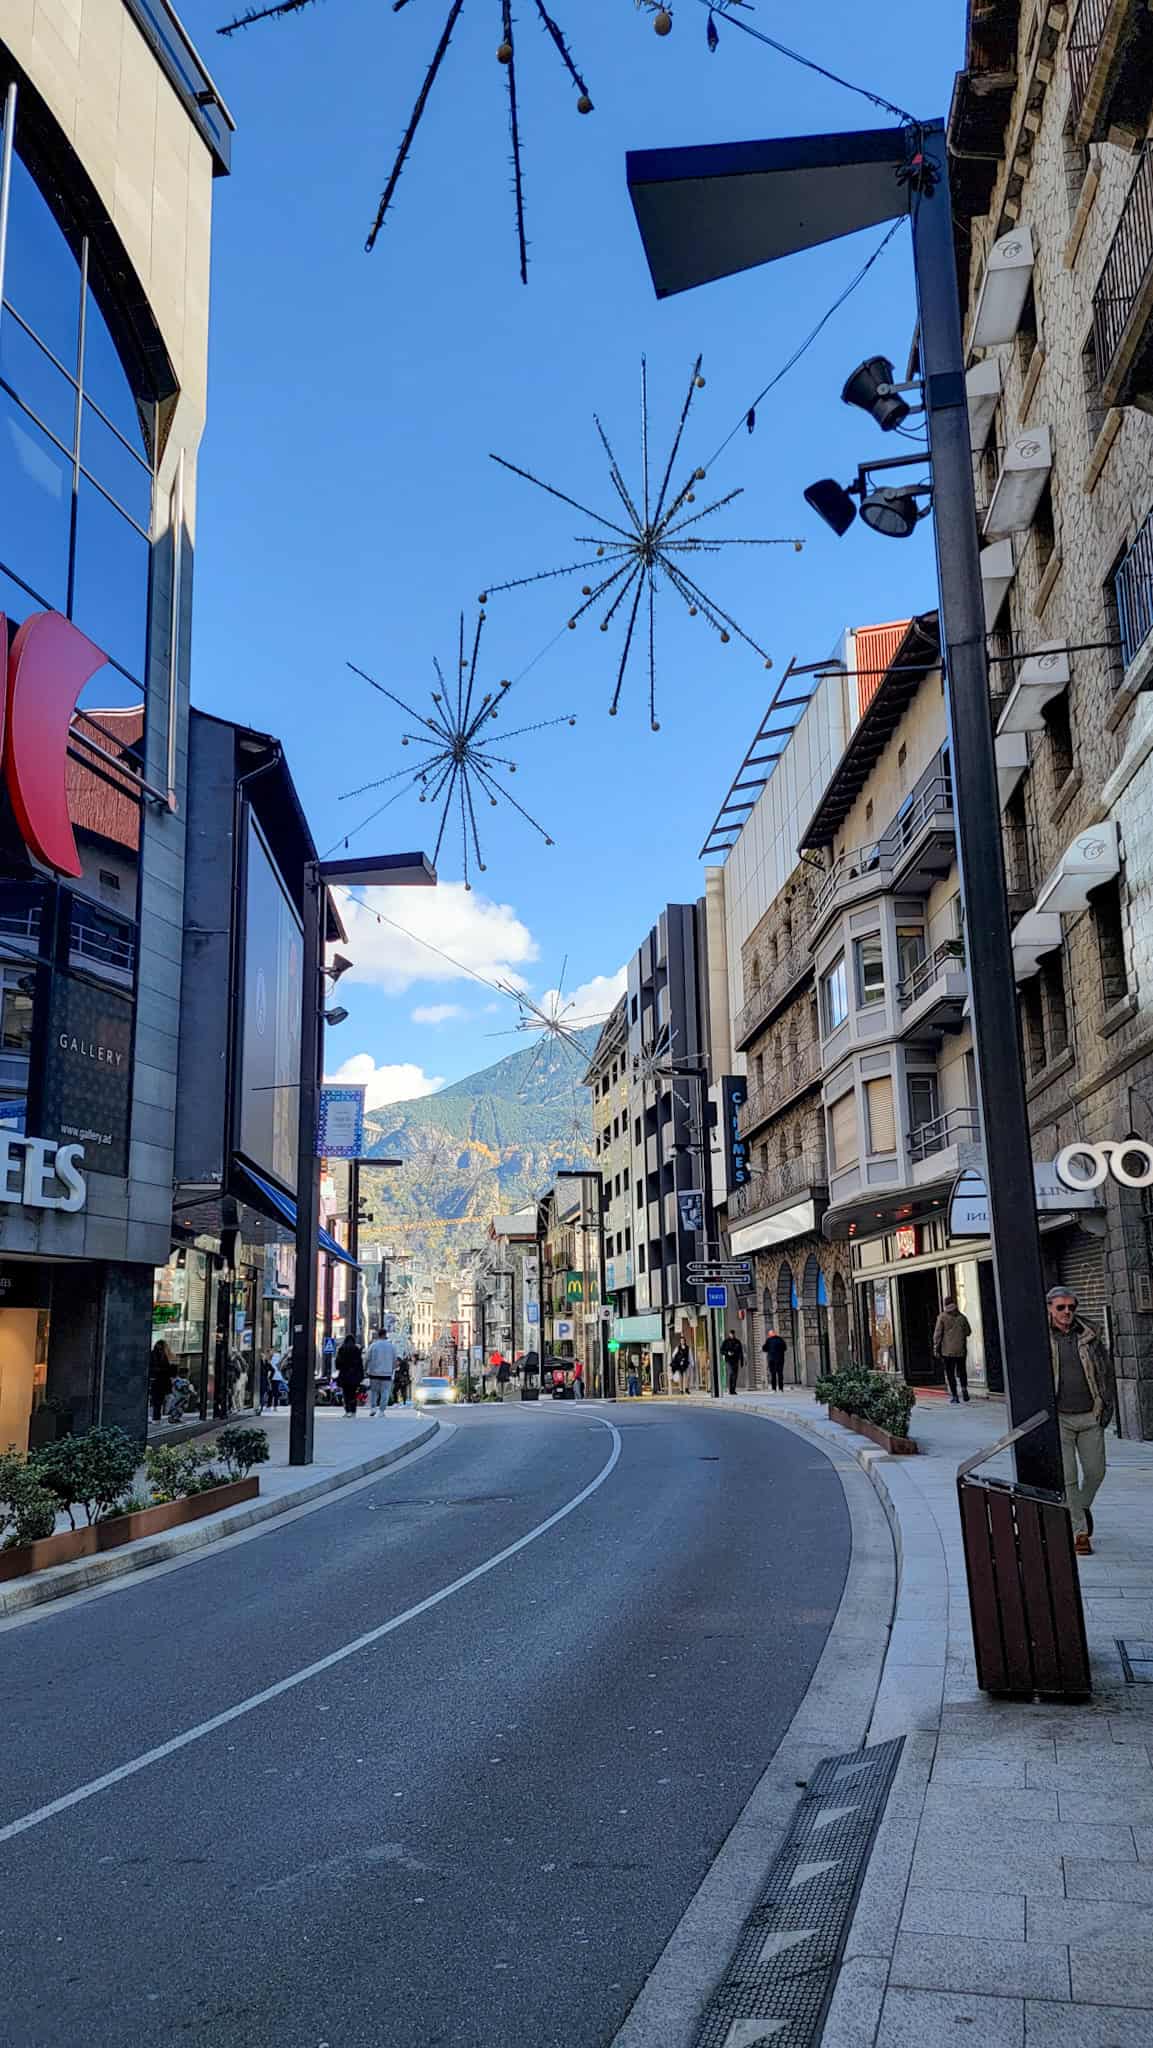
(1123, 299)
(793, 967)
(1110, 69)
(790, 1180)
(788, 1081)
(944, 1145)
(911, 854)
(933, 996)
(1132, 590)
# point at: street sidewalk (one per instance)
(1010, 1889)
(344, 1451)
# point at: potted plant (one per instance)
(874, 1404)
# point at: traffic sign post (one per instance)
(716, 1297)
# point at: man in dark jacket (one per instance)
(733, 1353)
(951, 1334)
(1086, 1399)
(774, 1350)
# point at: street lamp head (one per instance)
(832, 503)
(336, 1016)
(871, 388)
(893, 512)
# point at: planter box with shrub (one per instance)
(874, 1404)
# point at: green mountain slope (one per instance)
(483, 1146)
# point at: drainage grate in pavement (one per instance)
(1136, 1661)
(778, 1984)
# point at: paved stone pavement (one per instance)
(344, 1450)
(1009, 1899)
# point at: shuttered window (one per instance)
(882, 1123)
(843, 1130)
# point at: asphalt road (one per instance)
(480, 1828)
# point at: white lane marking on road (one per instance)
(308, 1671)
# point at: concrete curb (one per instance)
(833, 1718)
(63, 1579)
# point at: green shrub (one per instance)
(91, 1471)
(204, 1480)
(174, 1469)
(241, 1449)
(27, 1510)
(877, 1397)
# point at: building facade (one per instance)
(111, 134)
(1053, 192)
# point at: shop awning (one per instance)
(264, 1194)
(637, 1330)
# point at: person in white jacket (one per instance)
(380, 1371)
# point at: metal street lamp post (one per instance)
(391, 870)
(706, 213)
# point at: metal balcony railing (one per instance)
(1126, 271)
(772, 1184)
(951, 954)
(780, 1087)
(21, 924)
(954, 1127)
(1084, 42)
(884, 853)
(1133, 593)
(789, 968)
(104, 949)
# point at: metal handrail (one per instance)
(927, 970)
(881, 854)
(771, 1184)
(789, 968)
(1085, 35)
(97, 945)
(763, 1103)
(941, 1131)
(1133, 591)
(1126, 267)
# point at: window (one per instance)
(1053, 1000)
(879, 1111)
(843, 1141)
(1076, 162)
(76, 442)
(1032, 1025)
(1018, 861)
(1043, 530)
(910, 949)
(1091, 390)
(1110, 932)
(1027, 331)
(971, 1095)
(870, 963)
(16, 1016)
(834, 997)
(1060, 732)
(922, 1099)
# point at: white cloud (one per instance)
(480, 936)
(588, 1004)
(401, 1083)
(437, 1013)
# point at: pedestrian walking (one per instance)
(951, 1334)
(161, 1373)
(633, 1384)
(578, 1381)
(350, 1373)
(1086, 1399)
(733, 1353)
(679, 1366)
(380, 1365)
(402, 1382)
(774, 1350)
(277, 1384)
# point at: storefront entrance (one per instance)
(23, 1369)
(919, 1304)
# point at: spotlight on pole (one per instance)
(337, 966)
(893, 512)
(873, 388)
(832, 503)
(334, 1017)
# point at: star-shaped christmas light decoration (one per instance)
(506, 55)
(553, 1022)
(458, 764)
(657, 537)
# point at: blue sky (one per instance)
(348, 508)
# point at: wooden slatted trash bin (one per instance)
(1024, 1589)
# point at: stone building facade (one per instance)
(802, 1282)
(1053, 170)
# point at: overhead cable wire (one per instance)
(810, 64)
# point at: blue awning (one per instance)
(269, 1195)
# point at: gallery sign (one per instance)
(87, 1086)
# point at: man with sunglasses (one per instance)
(1086, 1398)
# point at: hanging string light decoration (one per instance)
(506, 56)
(656, 538)
(458, 764)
